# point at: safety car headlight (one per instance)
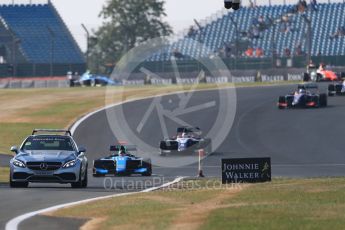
(19, 163)
(70, 164)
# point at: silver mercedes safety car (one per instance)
(49, 158)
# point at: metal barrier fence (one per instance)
(139, 79)
(39, 70)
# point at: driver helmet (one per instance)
(122, 151)
(302, 91)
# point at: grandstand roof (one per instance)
(38, 27)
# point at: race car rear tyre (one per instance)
(282, 99)
(323, 100)
(331, 90)
(319, 77)
(306, 77)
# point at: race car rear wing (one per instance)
(308, 86)
(116, 148)
(67, 132)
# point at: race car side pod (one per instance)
(201, 154)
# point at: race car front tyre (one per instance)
(148, 172)
(147, 164)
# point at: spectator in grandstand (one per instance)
(293, 9)
(303, 3)
(262, 24)
(227, 50)
(270, 22)
(285, 25)
(255, 22)
(177, 54)
(191, 32)
(298, 50)
(221, 52)
(310, 66)
(287, 52)
(340, 32)
(302, 6)
(252, 4)
(253, 32)
(285, 18)
(214, 54)
(313, 5)
(249, 52)
(259, 52)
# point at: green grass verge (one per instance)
(56, 108)
(285, 204)
(282, 204)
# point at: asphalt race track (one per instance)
(300, 142)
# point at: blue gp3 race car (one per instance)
(122, 163)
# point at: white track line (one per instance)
(14, 223)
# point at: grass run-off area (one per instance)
(21, 110)
(206, 204)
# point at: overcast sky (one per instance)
(180, 12)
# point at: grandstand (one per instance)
(286, 28)
(34, 41)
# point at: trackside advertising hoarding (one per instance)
(248, 170)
